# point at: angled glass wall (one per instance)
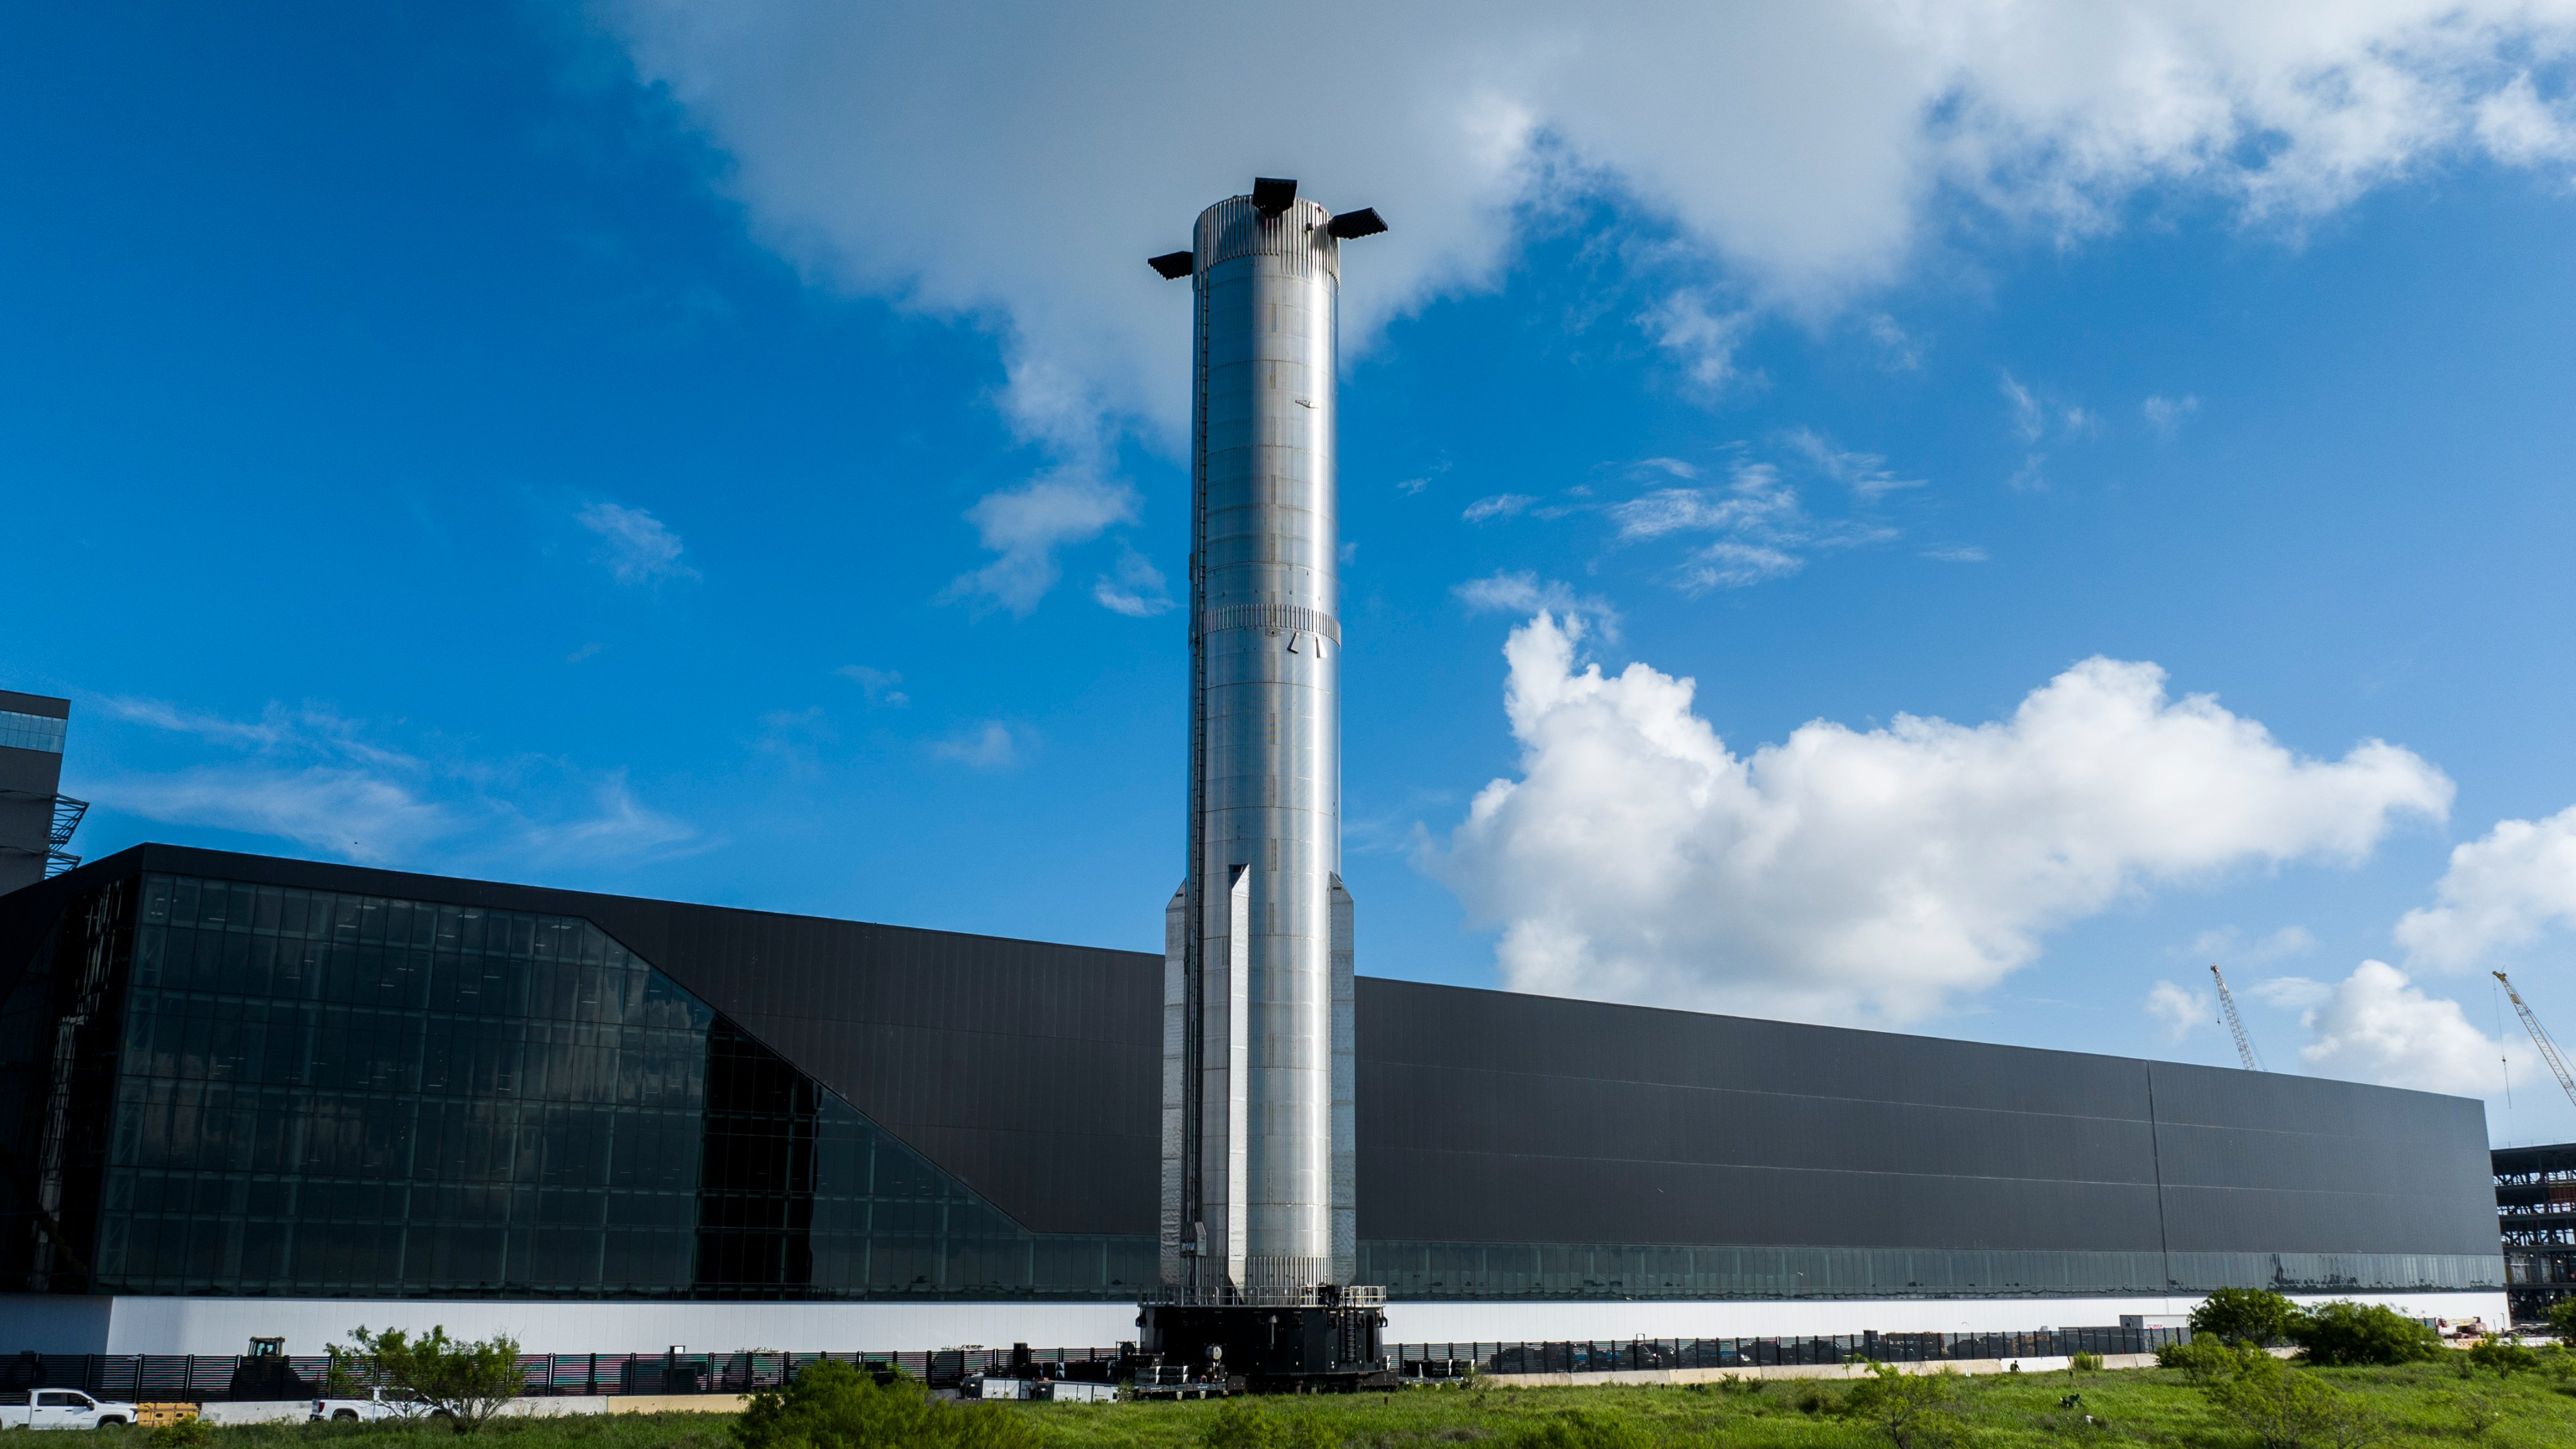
(327, 1094)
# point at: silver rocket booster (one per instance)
(1258, 1171)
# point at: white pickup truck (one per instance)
(61, 1409)
(378, 1404)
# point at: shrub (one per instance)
(2506, 1356)
(182, 1433)
(2287, 1408)
(2199, 1358)
(2246, 1315)
(1244, 1424)
(1912, 1410)
(834, 1406)
(2562, 1319)
(1584, 1429)
(2345, 1333)
(463, 1382)
(2084, 1363)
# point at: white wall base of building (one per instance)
(119, 1325)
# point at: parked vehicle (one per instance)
(61, 1409)
(378, 1404)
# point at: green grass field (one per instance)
(2420, 1404)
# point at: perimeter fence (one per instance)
(215, 1378)
(1449, 1360)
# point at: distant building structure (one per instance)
(36, 818)
(2535, 1190)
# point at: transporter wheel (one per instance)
(116, 1419)
(349, 1415)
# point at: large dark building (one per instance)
(242, 1094)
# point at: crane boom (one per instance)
(2539, 1038)
(2235, 1023)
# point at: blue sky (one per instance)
(728, 454)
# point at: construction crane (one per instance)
(2539, 1038)
(2235, 1023)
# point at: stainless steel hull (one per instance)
(1258, 1175)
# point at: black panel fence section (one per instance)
(1444, 1360)
(215, 1378)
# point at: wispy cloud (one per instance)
(1763, 530)
(2229, 946)
(1024, 527)
(1900, 351)
(2035, 419)
(1524, 593)
(1501, 505)
(1133, 587)
(1866, 474)
(1956, 553)
(311, 776)
(1704, 339)
(2166, 414)
(991, 745)
(1422, 480)
(2178, 1011)
(637, 547)
(349, 813)
(879, 684)
(2295, 993)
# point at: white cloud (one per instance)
(2294, 993)
(1843, 875)
(2165, 414)
(1501, 505)
(1956, 553)
(1012, 166)
(1519, 591)
(2375, 1026)
(637, 547)
(1133, 586)
(2517, 126)
(878, 684)
(2178, 1011)
(1705, 341)
(2501, 890)
(322, 781)
(991, 745)
(1027, 524)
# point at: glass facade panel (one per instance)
(338, 1095)
(24, 731)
